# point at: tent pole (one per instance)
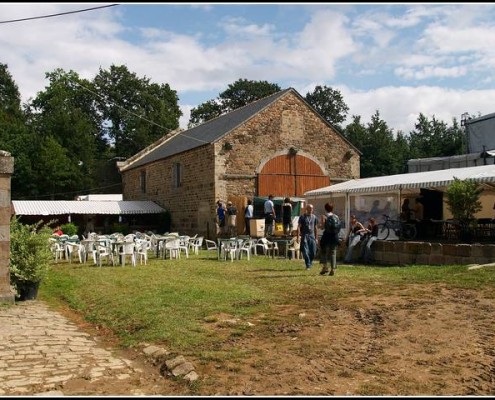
(347, 210)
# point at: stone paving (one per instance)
(41, 350)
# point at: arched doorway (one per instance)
(290, 175)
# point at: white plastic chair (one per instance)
(142, 247)
(211, 246)
(74, 248)
(57, 249)
(294, 249)
(228, 249)
(196, 244)
(246, 247)
(172, 247)
(128, 248)
(103, 249)
(184, 244)
(264, 245)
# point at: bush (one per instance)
(119, 227)
(30, 254)
(69, 228)
(463, 201)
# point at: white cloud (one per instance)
(409, 43)
(400, 107)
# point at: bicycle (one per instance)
(403, 230)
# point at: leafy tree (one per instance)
(57, 175)
(15, 135)
(463, 201)
(204, 112)
(329, 103)
(10, 99)
(434, 138)
(137, 112)
(238, 94)
(66, 112)
(243, 92)
(382, 154)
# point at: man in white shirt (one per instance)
(270, 216)
(248, 216)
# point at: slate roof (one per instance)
(210, 132)
(206, 133)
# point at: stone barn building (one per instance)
(277, 145)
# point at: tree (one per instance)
(137, 111)
(66, 113)
(434, 138)
(382, 154)
(329, 103)
(204, 112)
(243, 92)
(238, 94)
(463, 201)
(15, 135)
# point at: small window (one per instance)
(142, 181)
(177, 175)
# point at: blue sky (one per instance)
(399, 59)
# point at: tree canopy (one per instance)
(237, 94)
(66, 140)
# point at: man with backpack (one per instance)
(329, 240)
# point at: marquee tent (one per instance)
(392, 187)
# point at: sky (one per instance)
(398, 59)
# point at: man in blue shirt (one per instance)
(307, 231)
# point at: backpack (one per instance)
(332, 224)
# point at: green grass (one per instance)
(175, 302)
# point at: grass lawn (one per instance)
(170, 302)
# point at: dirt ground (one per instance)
(424, 340)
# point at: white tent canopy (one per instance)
(60, 207)
(412, 181)
(394, 187)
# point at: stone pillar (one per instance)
(6, 170)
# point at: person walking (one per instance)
(354, 237)
(248, 216)
(307, 235)
(269, 209)
(329, 240)
(370, 236)
(287, 216)
(231, 219)
(220, 218)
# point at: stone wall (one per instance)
(228, 168)
(6, 170)
(388, 252)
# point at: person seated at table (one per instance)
(58, 231)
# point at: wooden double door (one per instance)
(290, 175)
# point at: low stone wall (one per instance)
(390, 252)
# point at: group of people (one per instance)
(227, 218)
(227, 224)
(307, 231)
(307, 235)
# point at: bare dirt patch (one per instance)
(427, 340)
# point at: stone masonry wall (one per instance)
(220, 171)
(190, 204)
(6, 170)
(389, 252)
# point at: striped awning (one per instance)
(63, 207)
(416, 180)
